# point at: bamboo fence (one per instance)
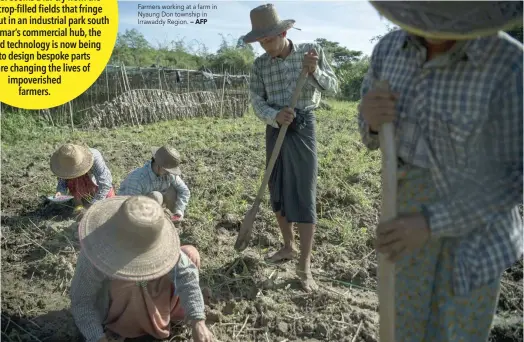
(135, 96)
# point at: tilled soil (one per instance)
(39, 252)
(250, 300)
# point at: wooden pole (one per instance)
(386, 269)
(223, 90)
(107, 85)
(71, 116)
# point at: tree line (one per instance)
(235, 57)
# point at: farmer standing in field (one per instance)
(293, 181)
(132, 277)
(83, 172)
(160, 179)
(456, 102)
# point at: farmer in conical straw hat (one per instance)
(83, 172)
(456, 100)
(132, 276)
(160, 178)
(274, 76)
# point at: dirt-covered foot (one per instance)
(306, 279)
(284, 254)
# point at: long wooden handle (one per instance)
(280, 139)
(386, 269)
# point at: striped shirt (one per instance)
(143, 180)
(273, 81)
(100, 175)
(90, 297)
(460, 115)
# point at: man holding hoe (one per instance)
(293, 181)
(455, 99)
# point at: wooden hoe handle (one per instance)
(386, 269)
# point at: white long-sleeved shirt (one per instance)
(143, 180)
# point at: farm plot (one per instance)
(223, 162)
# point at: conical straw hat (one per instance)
(167, 158)
(265, 22)
(71, 161)
(452, 20)
(129, 238)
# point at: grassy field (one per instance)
(223, 164)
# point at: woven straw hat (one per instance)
(265, 22)
(129, 238)
(167, 158)
(71, 161)
(452, 20)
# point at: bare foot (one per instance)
(284, 254)
(306, 279)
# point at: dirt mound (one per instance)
(248, 299)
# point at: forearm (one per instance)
(183, 195)
(263, 111)
(258, 95)
(103, 190)
(89, 326)
(369, 138)
(105, 183)
(324, 80)
(85, 285)
(187, 287)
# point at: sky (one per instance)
(350, 23)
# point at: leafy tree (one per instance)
(336, 54)
(233, 55)
(389, 28)
(131, 47)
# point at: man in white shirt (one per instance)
(160, 179)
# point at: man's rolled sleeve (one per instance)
(258, 99)
(103, 178)
(85, 285)
(187, 287)
(183, 194)
(323, 78)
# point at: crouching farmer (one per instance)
(160, 179)
(132, 277)
(83, 173)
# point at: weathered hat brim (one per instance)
(79, 170)
(282, 26)
(100, 241)
(452, 20)
(174, 171)
(153, 150)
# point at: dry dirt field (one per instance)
(223, 166)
